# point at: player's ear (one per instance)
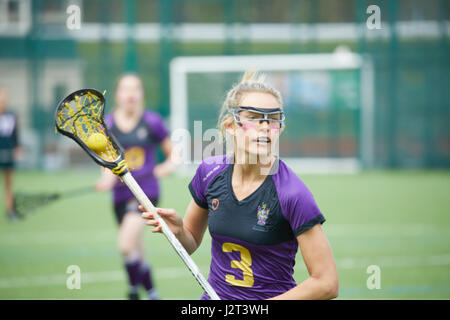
(231, 131)
(230, 128)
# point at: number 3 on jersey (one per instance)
(244, 265)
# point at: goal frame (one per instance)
(180, 67)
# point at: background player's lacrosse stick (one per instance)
(27, 202)
(80, 117)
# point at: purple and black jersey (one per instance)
(140, 153)
(254, 240)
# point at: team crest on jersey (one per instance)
(142, 133)
(262, 215)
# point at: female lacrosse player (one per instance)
(9, 151)
(139, 132)
(257, 210)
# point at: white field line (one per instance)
(37, 237)
(89, 277)
(395, 261)
(181, 272)
(57, 237)
(393, 230)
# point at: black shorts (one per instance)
(6, 159)
(122, 208)
(6, 165)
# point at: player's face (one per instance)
(130, 94)
(257, 138)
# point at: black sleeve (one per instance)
(200, 203)
(308, 225)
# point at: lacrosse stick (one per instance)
(26, 202)
(80, 117)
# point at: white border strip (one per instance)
(255, 32)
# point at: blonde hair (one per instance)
(130, 75)
(127, 75)
(252, 81)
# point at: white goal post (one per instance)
(180, 67)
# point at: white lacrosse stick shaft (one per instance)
(143, 200)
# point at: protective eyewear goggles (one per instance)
(273, 116)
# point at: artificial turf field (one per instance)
(397, 220)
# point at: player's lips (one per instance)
(262, 140)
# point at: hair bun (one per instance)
(252, 75)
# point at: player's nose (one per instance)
(264, 124)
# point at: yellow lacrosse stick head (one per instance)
(79, 116)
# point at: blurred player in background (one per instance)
(140, 132)
(256, 208)
(9, 151)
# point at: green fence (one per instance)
(410, 57)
